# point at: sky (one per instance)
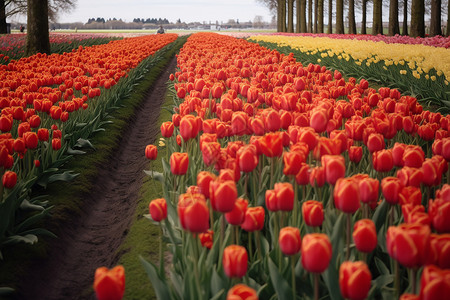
(172, 10)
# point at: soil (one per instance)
(92, 240)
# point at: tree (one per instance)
(377, 25)
(405, 17)
(435, 23)
(316, 21)
(417, 18)
(303, 14)
(290, 27)
(310, 18)
(393, 18)
(37, 27)
(364, 17)
(330, 16)
(320, 16)
(298, 16)
(340, 16)
(351, 17)
(448, 18)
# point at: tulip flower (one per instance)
(9, 179)
(289, 240)
(247, 158)
(151, 152)
(413, 156)
(109, 284)
(158, 209)
(206, 238)
(391, 188)
(241, 292)
(235, 261)
(354, 280)
(223, 195)
(312, 213)
(434, 283)
(292, 162)
(271, 145)
(375, 142)
(193, 212)
(43, 134)
(254, 219)
(365, 235)
(355, 154)
(204, 179)
(410, 194)
(439, 212)
(316, 252)
(334, 166)
(382, 160)
(167, 129)
(346, 195)
(179, 163)
(410, 176)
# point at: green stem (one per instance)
(272, 166)
(391, 216)
(413, 280)
(222, 231)
(258, 245)
(296, 204)
(294, 293)
(396, 280)
(250, 248)
(349, 220)
(197, 275)
(316, 286)
(161, 252)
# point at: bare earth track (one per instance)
(93, 239)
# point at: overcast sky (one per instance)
(187, 11)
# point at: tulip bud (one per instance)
(391, 187)
(284, 195)
(9, 179)
(237, 215)
(316, 252)
(204, 179)
(375, 142)
(434, 283)
(223, 195)
(439, 212)
(290, 240)
(382, 160)
(355, 154)
(271, 144)
(235, 261)
(167, 129)
(254, 219)
(151, 152)
(312, 213)
(292, 162)
(369, 189)
(354, 280)
(109, 284)
(158, 209)
(365, 235)
(334, 166)
(206, 238)
(193, 212)
(247, 158)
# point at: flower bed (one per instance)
(293, 181)
(417, 69)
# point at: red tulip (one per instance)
(382, 160)
(319, 120)
(43, 134)
(179, 163)
(158, 209)
(440, 250)
(415, 214)
(237, 215)
(434, 283)
(355, 154)
(432, 173)
(204, 179)
(302, 177)
(151, 152)
(317, 176)
(56, 144)
(254, 219)
(369, 189)
(391, 187)
(354, 280)
(439, 211)
(242, 292)
(413, 156)
(193, 212)
(410, 194)
(109, 284)
(334, 166)
(167, 129)
(290, 240)
(365, 235)
(235, 261)
(284, 195)
(247, 158)
(292, 162)
(223, 195)
(188, 127)
(239, 122)
(9, 179)
(271, 145)
(312, 212)
(210, 152)
(410, 176)
(346, 195)
(397, 154)
(316, 252)
(206, 238)
(408, 244)
(375, 142)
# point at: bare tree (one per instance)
(364, 17)
(435, 24)
(316, 21)
(393, 18)
(320, 16)
(290, 16)
(298, 16)
(310, 18)
(417, 18)
(303, 14)
(405, 18)
(330, 17)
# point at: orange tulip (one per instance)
(109, 284)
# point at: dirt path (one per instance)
(93, 239)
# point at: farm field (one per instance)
(211, 164)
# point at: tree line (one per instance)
(310, 16)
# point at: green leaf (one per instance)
(15, 239)
(4, 291)
(383, 280)
(218, 283)
(75, 152)
(282, 288)
(155, 175)
(381, 266)
(26, 205)
(83, 143)
(158, 283)
(66, 176)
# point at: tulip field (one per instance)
(293, 166)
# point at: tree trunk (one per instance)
(405, 17)
(37, 27)
(303, 16)
(393, 18)
(340, 16)
(310, 21)
(435, 24)
(377, 26)
(298, 16)
(283, 16)
(290, 16)
(364, 17)
(3, 27)
(417, 18)
(448, 18)
(279, 28)
(320, 16)
(330, 16)
(351, 17)
(316, 21)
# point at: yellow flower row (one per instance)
(418, 58)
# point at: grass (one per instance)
(143, 236)
(67, 198)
